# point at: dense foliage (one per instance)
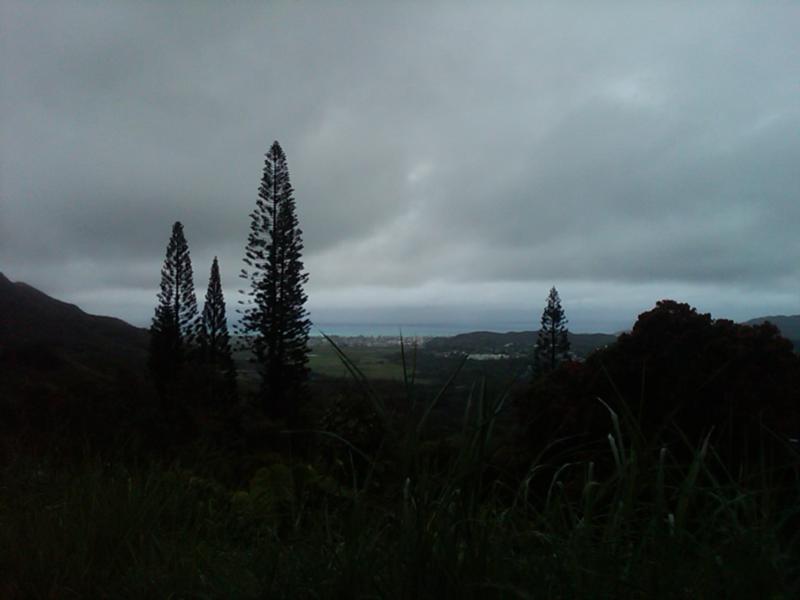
(680, 374)
(409, 519)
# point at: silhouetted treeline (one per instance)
(190, 354)
(678, 376)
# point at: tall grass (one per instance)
(422, 523)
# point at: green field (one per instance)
(375, 362)
(381, 362)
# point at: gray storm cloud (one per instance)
(447, 159)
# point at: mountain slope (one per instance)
(63, 370)
(30, 318)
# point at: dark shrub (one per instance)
(680, 373)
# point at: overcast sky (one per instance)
(451, 162)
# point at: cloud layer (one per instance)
(450, 162)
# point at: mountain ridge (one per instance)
(513, 342)
(31, 319)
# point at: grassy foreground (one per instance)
(413, 522)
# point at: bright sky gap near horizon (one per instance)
(450, 161)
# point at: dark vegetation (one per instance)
(173, 333)
(275, 323)
(518, 492)
(214, 344)
(660, 464)
(552, 343)
(789, 326)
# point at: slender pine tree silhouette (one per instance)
(173, 332)
(275, 323)
(214, 341)
(552, 344)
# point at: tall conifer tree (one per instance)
(275, 322)
(552, 345)
(214, 340)
(174, 328)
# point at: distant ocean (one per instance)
(420, 330)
